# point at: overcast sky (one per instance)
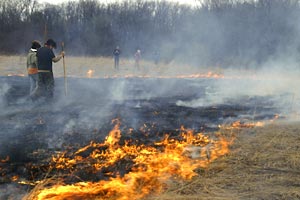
(190, 2)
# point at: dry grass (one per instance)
(264, 164)
(103, 67)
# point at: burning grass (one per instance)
(263, 163)
(102, 67)
(129, 170)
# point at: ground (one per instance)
(263, 162)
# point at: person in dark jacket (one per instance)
(32, 66)
(116, 54)
(45, 57)
(137, 58)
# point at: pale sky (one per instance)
(189, 2)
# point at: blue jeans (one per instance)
(116, 62)
(33, 78)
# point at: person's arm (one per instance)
(57, 58)
(35, 61)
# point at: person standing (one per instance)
(45, 57)
(116, 54)
(32, 66)
(156, 57)
(137, 57)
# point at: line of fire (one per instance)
(149, 100)
(133, 143)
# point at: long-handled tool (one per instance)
(65, 76)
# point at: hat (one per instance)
(51, 42)
(35, 44)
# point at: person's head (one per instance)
(35, 44)
(117, 47)
(51, 44)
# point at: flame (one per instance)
(188, 76)
(115, 134)
(90, 73)
(21, 75)
(14, 178)
(29, 183)
(148, 167)
(5, 160)
(276, 116)
(238, 125)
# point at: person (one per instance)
(45, 57)
(156, 57)
(116, 54)
(32, 66)
(137, 57)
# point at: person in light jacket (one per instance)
(32, 66)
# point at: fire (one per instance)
(115, 134)
(276, 116)
(5, 160)
(238, 124)
(21, 75)
(145, 169)
(14, 178)
(90, 73)
(188, 76)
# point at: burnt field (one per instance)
(147, 109)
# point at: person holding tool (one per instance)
(45, 57)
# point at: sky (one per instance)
(189, 2)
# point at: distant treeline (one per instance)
(216, 32)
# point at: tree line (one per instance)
(216, 32)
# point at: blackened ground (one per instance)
(147, 107)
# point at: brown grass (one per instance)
(103, 67)
(264, 163)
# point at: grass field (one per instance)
(264, 163)
(99, 67)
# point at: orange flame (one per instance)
(14, 178)
(5, 160)
(152, 166)
(90, 73)
(238, 125)
(21, 75)
(189, 76)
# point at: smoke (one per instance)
(4, 88)
(11, 191)
(255, 46)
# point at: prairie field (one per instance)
(263, 163)
(100, 67)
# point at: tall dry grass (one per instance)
(264, 163)
(99, 67)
